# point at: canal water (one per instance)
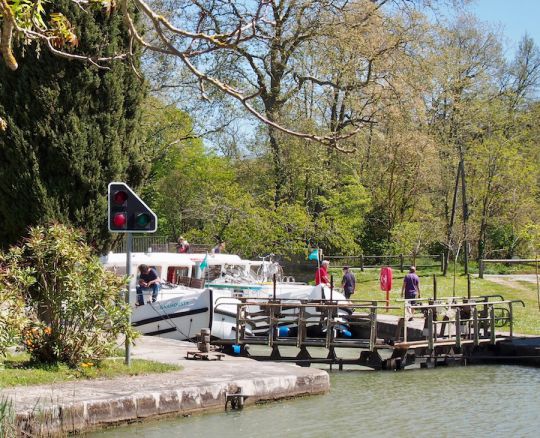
(471, 401)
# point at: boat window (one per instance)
(176, 273)
(234, 270)
(213, 272)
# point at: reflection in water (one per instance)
(465, 401)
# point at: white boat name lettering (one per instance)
(177, 304)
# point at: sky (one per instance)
(515, 17)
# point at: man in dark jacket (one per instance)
(148, 280)
(348, 283)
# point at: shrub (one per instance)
(13, 317)
(77, 307)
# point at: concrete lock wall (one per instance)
(87, 415)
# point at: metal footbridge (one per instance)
(453, 330)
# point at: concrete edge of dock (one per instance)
(201, 386)
(87, 415)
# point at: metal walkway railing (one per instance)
(449, 325)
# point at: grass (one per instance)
(526, 319)
(18, 370)
(7, 418)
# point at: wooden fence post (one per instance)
(362, 262)
(480, 268)
(401, 262)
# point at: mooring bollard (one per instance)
(236, 399)
(203, 340)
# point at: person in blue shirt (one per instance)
(411, 285)
(348, 283)
(219, 248)
(148, 280)
(410, 290)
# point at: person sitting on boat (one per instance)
(182, 246)
(148, 280)
(219, 248)
(321, 276)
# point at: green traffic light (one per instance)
(142, 220)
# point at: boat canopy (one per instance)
(218, 259)
(161, 261)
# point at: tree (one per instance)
(502, 175)
(465, 59)
(411, 237)
(199, 192)
(292, 55)
(71, 129)
(205, 36)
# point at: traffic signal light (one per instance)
(127, 212)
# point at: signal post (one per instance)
(127, 213)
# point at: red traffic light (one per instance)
(120, 220)
(127, 213)
(120, 197)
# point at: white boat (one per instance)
(286, 292)
(180, 311)
(184, 305)
(253, 281)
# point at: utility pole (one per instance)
(460, 175)
(452, 217)
(465, 214)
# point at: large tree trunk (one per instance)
(279, 172)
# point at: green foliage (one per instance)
(411, 238)
(206, 197)
(71, 129)
(341, 219)
(77, 307)
(450, 95)
(530, 234)
(13, 318)
(197, 193)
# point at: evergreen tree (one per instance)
(71, 129)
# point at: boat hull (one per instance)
(182, 316)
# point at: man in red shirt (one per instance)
(321, 276)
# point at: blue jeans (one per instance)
(155, 290)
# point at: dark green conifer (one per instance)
(71, 129)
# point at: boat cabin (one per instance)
(218, 265)
(171, 268)
(184, 269)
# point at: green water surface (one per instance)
(473, 401)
